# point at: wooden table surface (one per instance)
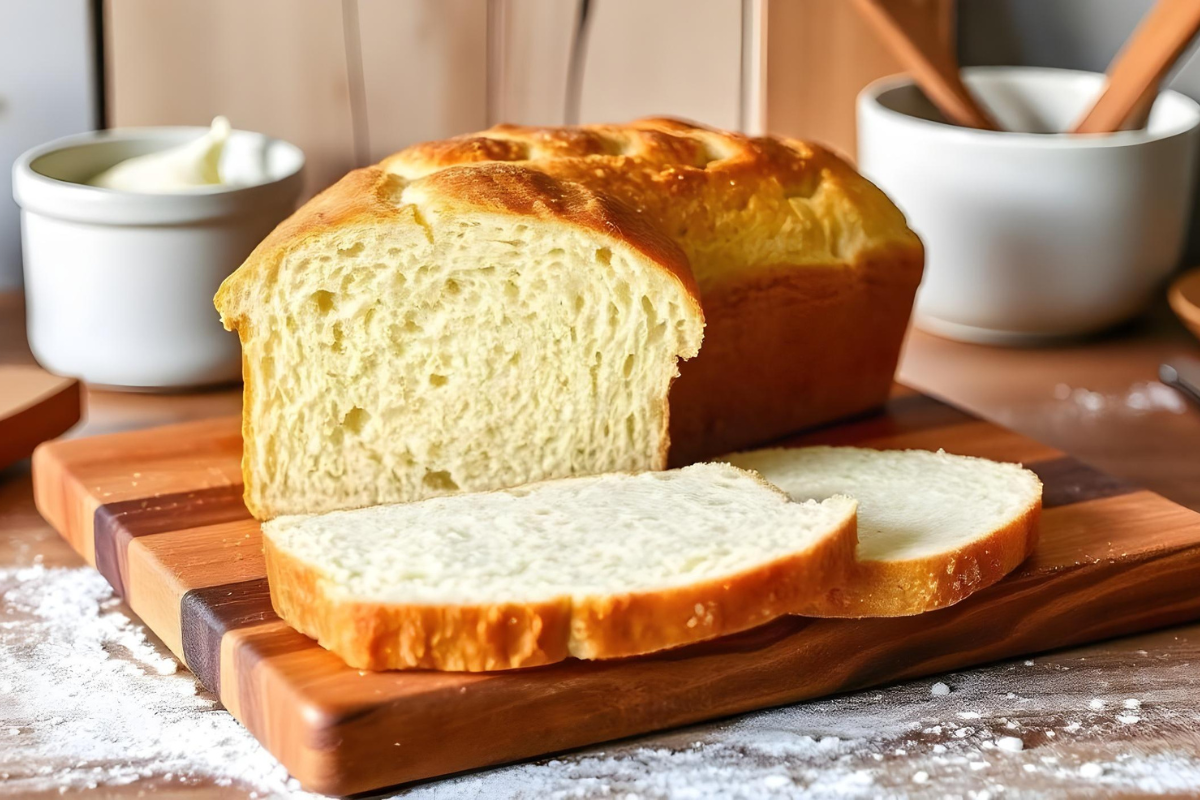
(1095, 399)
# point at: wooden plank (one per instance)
(162, 569)
(275, 66)
(424, 66)
(676, 57)
(820, 54)
(1112, 559)
(667, 57)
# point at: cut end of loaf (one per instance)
(600, 567)
(443, 344)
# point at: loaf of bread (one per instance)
(596, 567)
(933, 528)
(510, 306)
(806, 271)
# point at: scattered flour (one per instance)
(88, 700)
(1145, 397)
(777, 781)
(84, 686)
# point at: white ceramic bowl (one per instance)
(119, 285)
(1034, 234)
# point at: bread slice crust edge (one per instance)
(483, 637)
(839, 363)
(915, 586)
(902, 587)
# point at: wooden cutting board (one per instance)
(159, 513)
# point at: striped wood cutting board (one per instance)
(159, 513)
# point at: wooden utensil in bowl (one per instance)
(932, 66)
(1184, 297)
(1134, 76)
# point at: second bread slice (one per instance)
(933, 528)
(600, 567)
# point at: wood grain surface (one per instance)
(158, 512)
(805, 38)
(34, 406)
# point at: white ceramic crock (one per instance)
(1032, 235)
(119, 285)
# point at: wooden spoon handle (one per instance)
(932, 67)
(1139, 68)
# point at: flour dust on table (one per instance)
(1142, 397)
(87, 699)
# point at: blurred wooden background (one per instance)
(353, 80)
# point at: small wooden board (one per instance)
(159, 513)
(34, 406)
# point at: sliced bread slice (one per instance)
(596, 567)
(932, 527)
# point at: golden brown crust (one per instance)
(373, 196)
(477, 638)
(510, 189)
(824, 344)
(645, 623)
(716, 193)
(906, 588)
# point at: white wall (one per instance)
(47, 90)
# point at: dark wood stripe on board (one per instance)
(115, 525)
(1066, 481)
(206, 614)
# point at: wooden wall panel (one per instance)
(531, 44)
(644, 57)
(353, 80)
(424, 68)
(276, 66)
(819, 55)
(349, 82)
(677, 57)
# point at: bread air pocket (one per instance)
(482, 327)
